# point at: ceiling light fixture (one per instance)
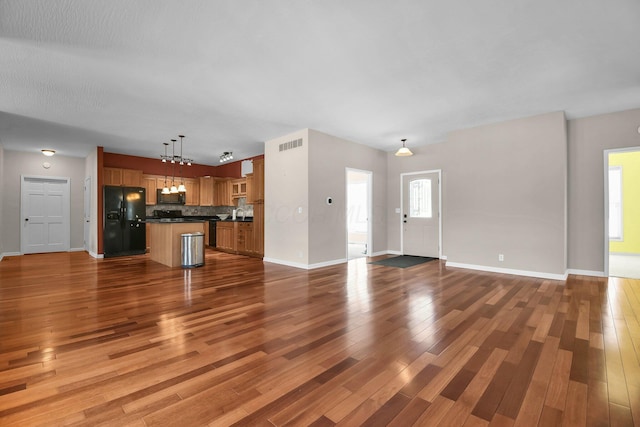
(48, 152)
(165, 189)
(181, 187)
(403, 151)
(226, 156)
(173, 159)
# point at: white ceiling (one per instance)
(129, 74)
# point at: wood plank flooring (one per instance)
(127, 341)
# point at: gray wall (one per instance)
(91, 171)
(329, 157)
(286, 230)
(588, 138)
(503, 191)
(22, 163)
(2, 195)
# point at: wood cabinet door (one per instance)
(258, 229)
(112, 176)
(222, 195)
(132, 178)
(258, 180)
(250, 191)
(192, 198)
(206, 191)
(225, 235)
(150, 186)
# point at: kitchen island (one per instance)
(165, 239)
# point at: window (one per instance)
(420, 198)
(615, 202)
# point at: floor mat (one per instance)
(403, 261)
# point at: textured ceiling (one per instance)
(129, 75)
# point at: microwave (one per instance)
(169, 199)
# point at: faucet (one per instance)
(243, 213)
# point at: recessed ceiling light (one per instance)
(48, 152)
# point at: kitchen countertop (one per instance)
(196, 219)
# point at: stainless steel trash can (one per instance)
(192, 250)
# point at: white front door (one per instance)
(45, 210)
(421, 214)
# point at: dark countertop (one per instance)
(196, 219)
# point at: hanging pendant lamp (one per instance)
(403, 151)
(165, 189)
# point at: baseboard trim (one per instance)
(4, 254)
(537, 274)
(327, 263)
(286, 263)
(586, 272)
(95, 255)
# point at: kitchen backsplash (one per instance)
(203, 210)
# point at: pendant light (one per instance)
(174, 189)
(181, 187)
(403, 151)
(165, 189)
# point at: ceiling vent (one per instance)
(291, 144)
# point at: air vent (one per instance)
(291, 144)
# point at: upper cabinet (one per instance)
(150, 186)
(222, 192)
(255, 183)
(123, 177)
(207, 185)
(192, 198)
(238, 188)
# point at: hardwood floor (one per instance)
(127, 341)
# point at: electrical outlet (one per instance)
(500, 257)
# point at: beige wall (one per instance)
(2, 195)
(588, 138)
(286, 228)
(91, 171)
(503, 192)
(329, 157)
(22, 163)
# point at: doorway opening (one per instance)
(622, 213)
(358, 213)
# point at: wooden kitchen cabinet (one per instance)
(222, 192)
(150, 186)
(132, 178)
(226, 235)
(238, 188)
(192, 197)
(207, 185)
(112, 176)
(258, 229)
(250, 188)
(245, 240)
(122, 177)
(258, 180)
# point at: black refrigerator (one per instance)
(124, 221)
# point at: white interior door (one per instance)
(45, 211)
(421, 214)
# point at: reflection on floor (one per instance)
(357, 250)
(624, 266)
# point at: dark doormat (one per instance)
(403, 261)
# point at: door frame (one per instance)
(86, 230)
(606, 200)
(402, 176)
(369, 208)
(66, 207)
